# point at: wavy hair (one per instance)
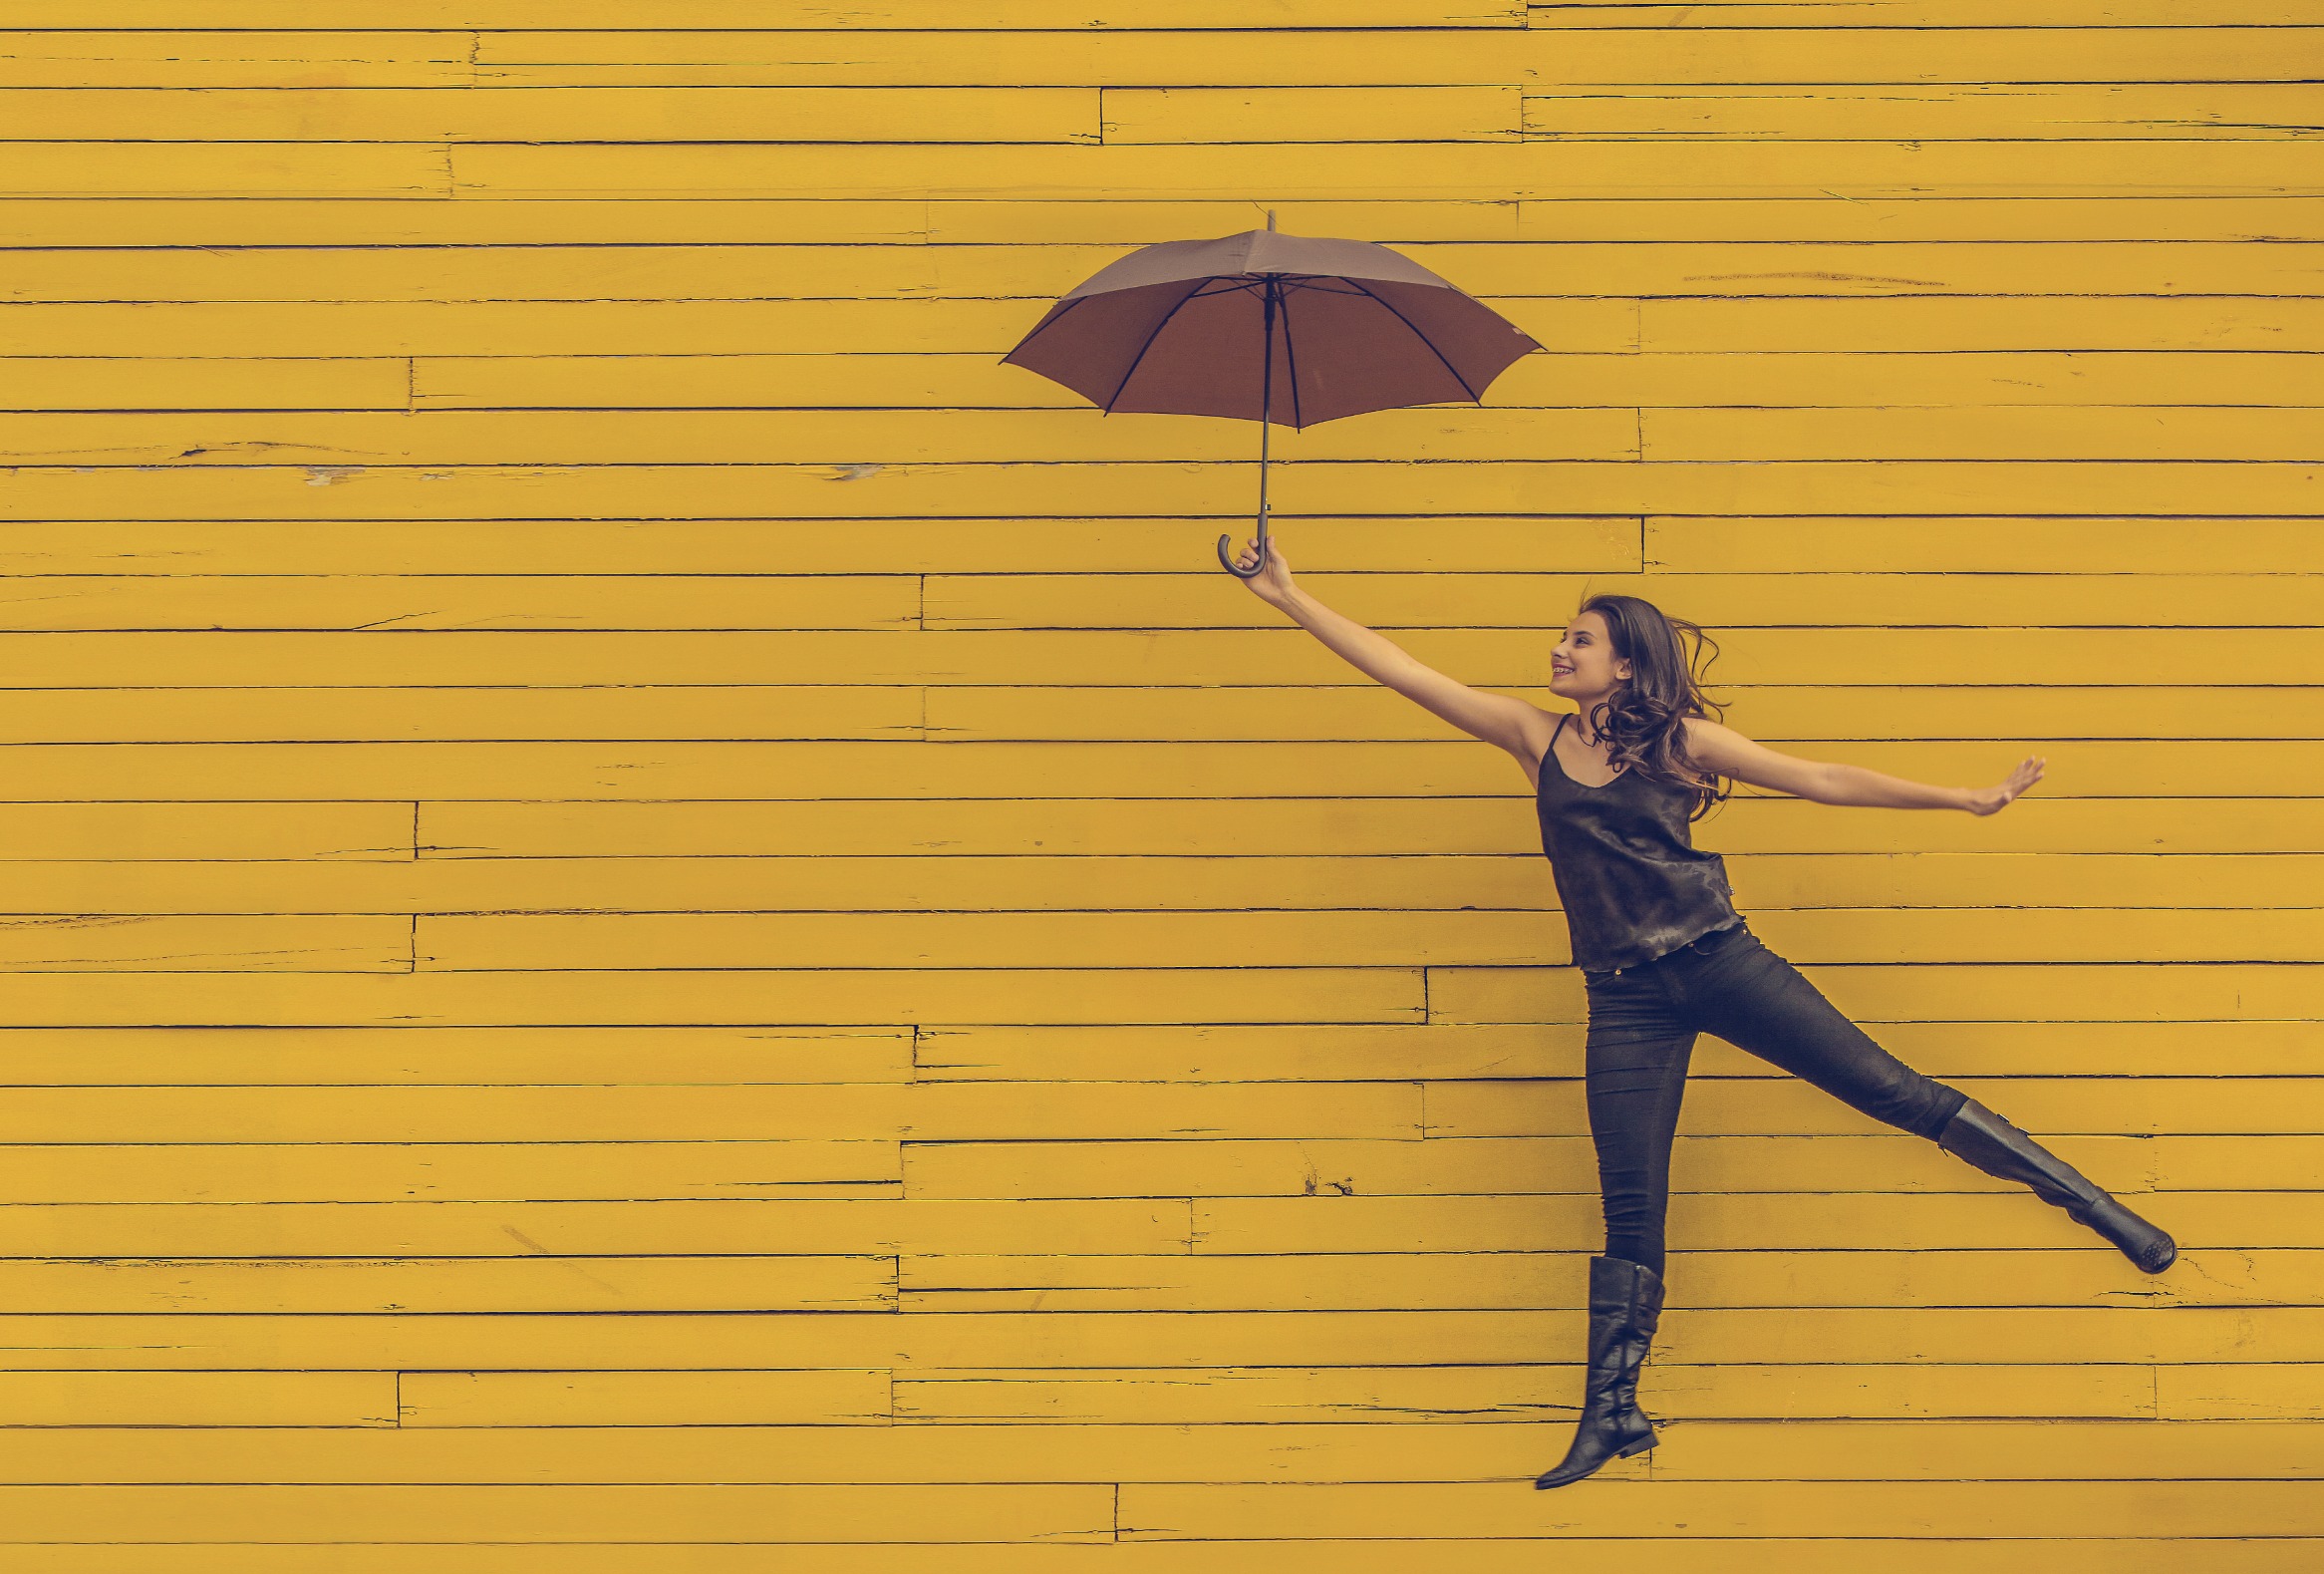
(1644, 716)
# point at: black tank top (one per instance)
(1631, 881)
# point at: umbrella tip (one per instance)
(1271, 218)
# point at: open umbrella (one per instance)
(1284, 330)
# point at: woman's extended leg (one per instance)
(1759, 1002)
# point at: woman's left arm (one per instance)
(1730, 753)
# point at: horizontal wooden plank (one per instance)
(550, 1515)
(305, 772)
(1069, 1341)
(1365, 1281)
(354, 115)
(1087, 436)
(1878, 12)
(2196, 1391)
(389, 603)
(1196, 115)
(1519, 883)
(457, 1057)
(1800, 599)
(1388, 1448)
(1691, 1509)
(1540, 59)
(2092, 433)
(625, 1169)
(565, 1284)
(645, 1110)
(182, 170)
(1801, 714)
(882, 996)
(1494, 824)
(137, 382)
(813, 438)
(2094, 1106)
(197, 1398)
(1229, 1228)
(1127, 221)
(219, 833)
(1811, 378)
(1515, 273)
(1509, 1556)
(823, 601)
(1824, 546)
(1179, 14)
(356, 714)
(530, 1239)
(1953, 994)
(1537, 543)
(1453, 1166)
(1550, 1046)
(1760, 325)
(1990, 1220)
(606, 941)
(885, 15)
(61, 50)
(642, 1398)
(1965, 112)
(1970, 1449)
(1076, 490)
(246, 943)
(1368, 1398)
(1488, 170)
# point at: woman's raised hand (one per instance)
(1988, 800)
(1274, 584)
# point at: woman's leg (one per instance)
(1635, 1059)
(1759, 1002)
(1635, 1080)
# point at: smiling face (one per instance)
(1583, 667)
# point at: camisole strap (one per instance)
(1562, 718)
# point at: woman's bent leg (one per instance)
(1759, 1002)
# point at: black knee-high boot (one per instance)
(1626, 1305)
(1980, 1138)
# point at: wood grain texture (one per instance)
(657, 920)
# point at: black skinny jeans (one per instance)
(1643, 1026)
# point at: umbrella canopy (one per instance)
(1298, 328)
(1284, 330)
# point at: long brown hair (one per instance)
(1644, 717)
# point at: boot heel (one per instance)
(1640, 1447)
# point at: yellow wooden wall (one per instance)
(659, 920)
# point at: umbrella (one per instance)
(1284, 330)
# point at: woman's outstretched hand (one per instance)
(1988, 800)
(1274, 585)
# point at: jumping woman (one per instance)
(1664, 956)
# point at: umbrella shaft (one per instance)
(1265, 407)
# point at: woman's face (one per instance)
(1583, 667)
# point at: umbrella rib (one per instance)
(1424, 339)
(1290, 356)
(1120, 387)
(1045, 326)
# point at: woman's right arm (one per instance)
(1498, 719)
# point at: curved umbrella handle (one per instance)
(1227, 561)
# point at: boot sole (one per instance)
(1541, 1482)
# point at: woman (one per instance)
(1664, 956)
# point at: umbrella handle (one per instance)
(1227, 559)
